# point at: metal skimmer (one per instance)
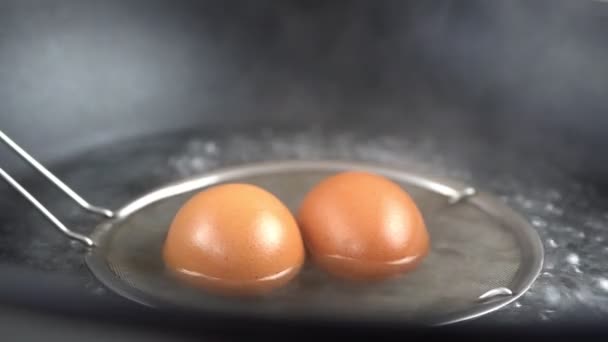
(483, 255)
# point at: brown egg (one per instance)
(234, 239)
(362, 226)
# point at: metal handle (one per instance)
(55, 181)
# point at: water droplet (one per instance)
(573, 259)
(517, 305)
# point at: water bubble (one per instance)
(580, 235)
(552, 243)
(566, 229)
(552, 296)
(546, 314)
(211, 147)
(197, 164)
(552, 209)
(602, 283)
(528, 204)
(538, 222)
(573, 259)
(576, 269)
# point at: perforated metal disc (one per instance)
(479, 248)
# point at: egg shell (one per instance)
(361, 225)
(234, 239)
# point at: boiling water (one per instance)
(569, 215)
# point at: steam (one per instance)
(501, 71)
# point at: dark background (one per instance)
(77, 73)
(531, 76)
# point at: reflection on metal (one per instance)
(462, 195)
(58, 183)
(53, 179)
(43, 210)
(496, 293)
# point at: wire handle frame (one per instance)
(59, 184)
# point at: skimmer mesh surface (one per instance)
(471, 253)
